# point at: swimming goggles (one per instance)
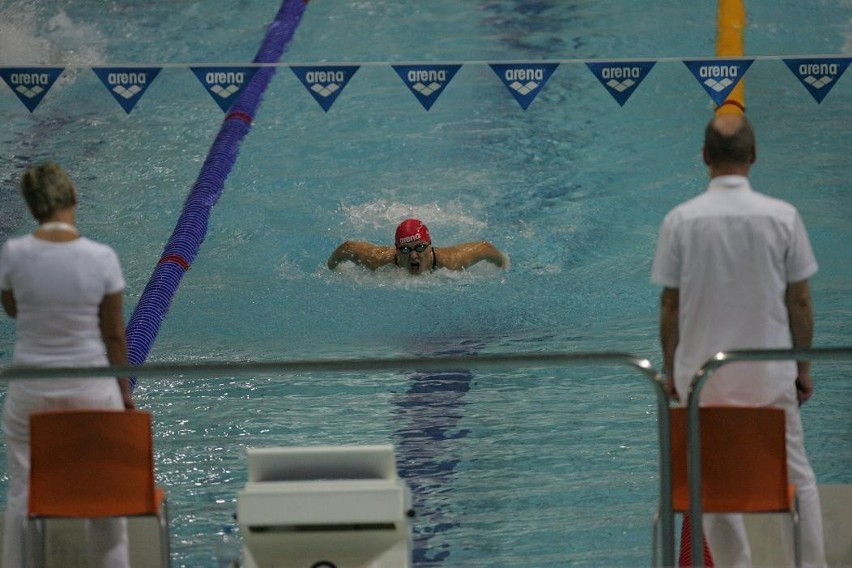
(418, 248)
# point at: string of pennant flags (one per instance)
(524, 80)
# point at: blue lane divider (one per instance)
(191, 227)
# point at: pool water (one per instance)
(542, 467)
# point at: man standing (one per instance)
(734, 265)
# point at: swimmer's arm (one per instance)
(363, 254)
(464, 255)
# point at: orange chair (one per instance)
(743, 463)
(92, 463)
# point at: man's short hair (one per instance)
(735, 147)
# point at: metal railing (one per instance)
(495, 361)
(693, 422)
(436, 363)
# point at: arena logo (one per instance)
(819, 74)
(30, 84)
(426, 82)
(410, 238)
(224, 83)
(24, 80)
(719, 77)
(620, 78)
(524, 80)
(127, 84)
(324, 83)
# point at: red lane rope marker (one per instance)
(175, 258)
(239, 115)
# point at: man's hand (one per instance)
(670, 388)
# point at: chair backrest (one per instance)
(91, 463)
(312, 463)
(743, 459)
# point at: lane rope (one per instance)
(731, 16)
(191, 227)
(731, 23)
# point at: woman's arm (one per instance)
(464, 255)
(363, 254)
(111, 317)
(9, 305)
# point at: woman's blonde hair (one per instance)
(47, 189)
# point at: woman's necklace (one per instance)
(59, 226)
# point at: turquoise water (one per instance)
(527, 467)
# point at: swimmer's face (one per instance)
(415, 257)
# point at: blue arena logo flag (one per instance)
(30, 84)
(719, 76)
(427, 82)
(127, 84)
(524, 80)
(325, 82)
(620, 78)
(818, 74)
(224, 83)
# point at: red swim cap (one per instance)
(411, 230)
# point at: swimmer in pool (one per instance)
(414, 252)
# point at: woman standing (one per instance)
(65, 291)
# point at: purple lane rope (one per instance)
(191, 227)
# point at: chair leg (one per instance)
(34, 543)
(655, 527)
(797, 535)
(165, 545)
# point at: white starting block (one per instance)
(324, 507)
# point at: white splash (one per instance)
(30, 38)
(19, 43)
(450, 220)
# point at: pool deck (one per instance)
(65, 537)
